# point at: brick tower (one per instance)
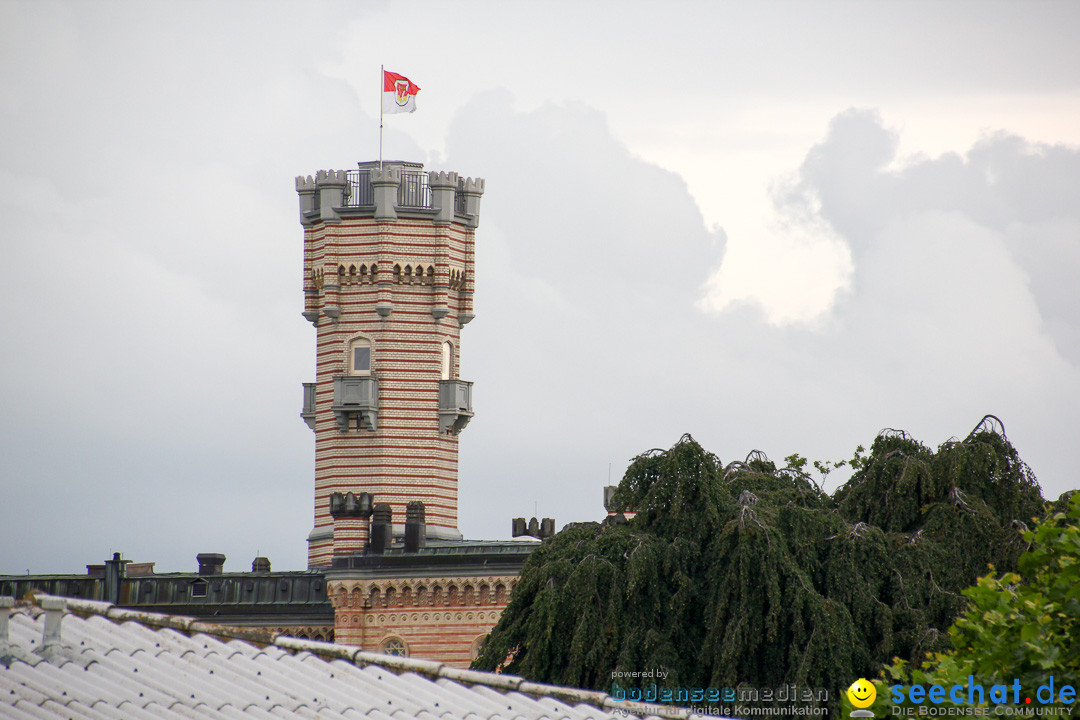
(388, 285)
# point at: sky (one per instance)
(781, 226)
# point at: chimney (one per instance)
(6, 603)
(382, 528)
(211, 563)
(539, 529)
(609, 496)
(351, 513)
(260, 565)
(115, 571)
(415, 527)
(51, 648)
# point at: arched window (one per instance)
(447, 360)
(360, 357)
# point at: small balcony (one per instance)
(356, 402)
(455, 406)
(413, 192)
(308, 411)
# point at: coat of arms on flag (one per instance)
(399, 93)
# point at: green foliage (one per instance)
(750, 574)
(1020, 625)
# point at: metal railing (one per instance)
(358, 190)
(413, 192)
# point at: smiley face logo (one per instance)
(862, 693)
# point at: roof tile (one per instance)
(118, 663)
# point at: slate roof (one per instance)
(110, 662)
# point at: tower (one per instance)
(388, 285)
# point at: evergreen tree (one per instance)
(749, 574)
(1021, 626)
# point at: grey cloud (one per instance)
(153, 350)
(594, 222)
(1027, 194)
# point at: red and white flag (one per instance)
(399, 93)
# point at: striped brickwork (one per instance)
(439, 618)
(404, 285)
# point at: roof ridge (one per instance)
(361, 658)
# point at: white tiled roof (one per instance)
(116, 663)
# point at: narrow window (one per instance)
(447, 359)
(360, 357)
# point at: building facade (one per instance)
(388, 285)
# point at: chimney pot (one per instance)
(382, 528)
(211, 563)
(115, 571)
(415, 526)
(6, 603)
(54, 612)
(609, 495)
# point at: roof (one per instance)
(88, 659)
(247, 598)
(440, 556)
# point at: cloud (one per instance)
(153, 349)
(593, 221)
(1023, 197)
(962, 297)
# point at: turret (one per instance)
(388, 286)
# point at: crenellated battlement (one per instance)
(386, 191)
(471, 185)
(330, 177)
(442, 179)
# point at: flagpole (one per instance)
(382, 87)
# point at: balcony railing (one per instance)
(356, 402)
(358, 190)
(455, 405)
(413, 192)
(308, 411)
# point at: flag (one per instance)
(399, 93)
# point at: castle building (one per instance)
(388, 284)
